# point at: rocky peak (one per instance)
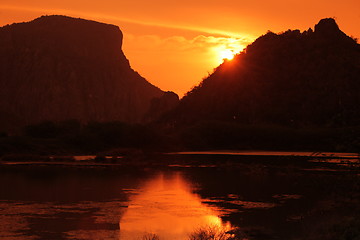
(328, 27)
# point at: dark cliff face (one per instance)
(58, 68)
(161, 105)
(292, 78)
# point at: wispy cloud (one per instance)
(181, 44)
(109, 17)
(191, 59)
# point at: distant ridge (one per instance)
(292, 78)
(57, 68)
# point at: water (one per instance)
(69, 203)
(87, 202)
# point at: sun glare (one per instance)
(227, 50)
(227, 54)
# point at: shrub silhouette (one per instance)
(291, 79)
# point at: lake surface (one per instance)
(260, 201)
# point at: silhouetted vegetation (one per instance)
(72, 137)
(293, 79)
(233, 135)
(211, 233)
(3, 134)
(150, 236)
(52, 130)
(95, 136)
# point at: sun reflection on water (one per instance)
(167, 207)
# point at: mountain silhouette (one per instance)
(294, 78)
(57, 68)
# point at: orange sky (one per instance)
(174, 44)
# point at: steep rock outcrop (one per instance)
(161, 105)
(57, 68)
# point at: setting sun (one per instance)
(227, 54)
(227, 50)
